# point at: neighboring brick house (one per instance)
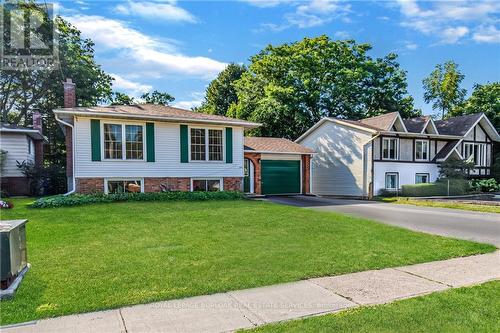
(276, 166)
(150, 148)
(360, 158)
(20, 144)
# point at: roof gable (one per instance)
(457, 125)
(274, 145)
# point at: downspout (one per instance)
(365, 166)
(72, 151)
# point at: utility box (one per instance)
(13, 256)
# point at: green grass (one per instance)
(441, 204)
(472, 309)
(109, 255)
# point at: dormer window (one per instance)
(390, 148)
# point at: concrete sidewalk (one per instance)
(252, 307)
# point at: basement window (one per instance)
(114, 186)
(206, 185)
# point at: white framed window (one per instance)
(476, 152)
(206, 184)
(123, 141)
(123, 185)
(422, 178)
(390, 147)
(30, 145)
(391, 181)
(421, 150)
(206, 144)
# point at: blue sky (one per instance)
(178, 47)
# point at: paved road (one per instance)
(481, 227)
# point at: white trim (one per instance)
(336, 121)
(220, 179)
(400, 120)
(168, 119)
(251, 176)
(397, 181)
(451, 151)
(489, 123)
(427, 152)
(207, 160)
(423, 173)
(122, 179)
(388, 149)
(419, 135)
(429, 121)
(124, 142)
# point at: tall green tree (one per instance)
(157, 97)
(485, 98)
(221, 93)
(23, 92)
(442, 88)
(290, 87)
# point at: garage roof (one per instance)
(274, 145)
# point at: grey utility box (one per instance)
(13, 256)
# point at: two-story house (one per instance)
(360, 158)
(152, 148)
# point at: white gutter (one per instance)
(72, 151)
(159, 118)
(365, 166)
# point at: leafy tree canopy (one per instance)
(23, 92)
(442, 88)
(485, 98)
(221, 93)
(157, 97)
(290, 87)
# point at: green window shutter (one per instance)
(184, 144)
(229, 145)
(150, 142)
(95, 139)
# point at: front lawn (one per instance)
(108, 255)
(472, 309)
(442, 204)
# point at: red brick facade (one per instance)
(166, 184)
(306, 174)
(255, 159)
(89, 185)
(232, 183)
(15, 185)
(154, 184)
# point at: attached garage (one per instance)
(275, 166)
(280, 177)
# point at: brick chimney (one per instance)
(37, 121)
(69, 94)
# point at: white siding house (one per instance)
(362, 158)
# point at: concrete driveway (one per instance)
(477, 226)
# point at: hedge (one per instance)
(439, 188)
(85, 199)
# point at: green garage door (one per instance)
(280, 177)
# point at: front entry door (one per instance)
(246, 179)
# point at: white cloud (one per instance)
(130, 87)
(142, 52)
(312, 13)
(266, 3)
(454, 34)
(156, 10)
(342, 35)
(487, 34)
(197, 100)
(451, 21)
(410, 45)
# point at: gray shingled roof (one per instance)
(457, 125)
(445, 150)
(416, 125)
(382, 122)
(277, 145)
